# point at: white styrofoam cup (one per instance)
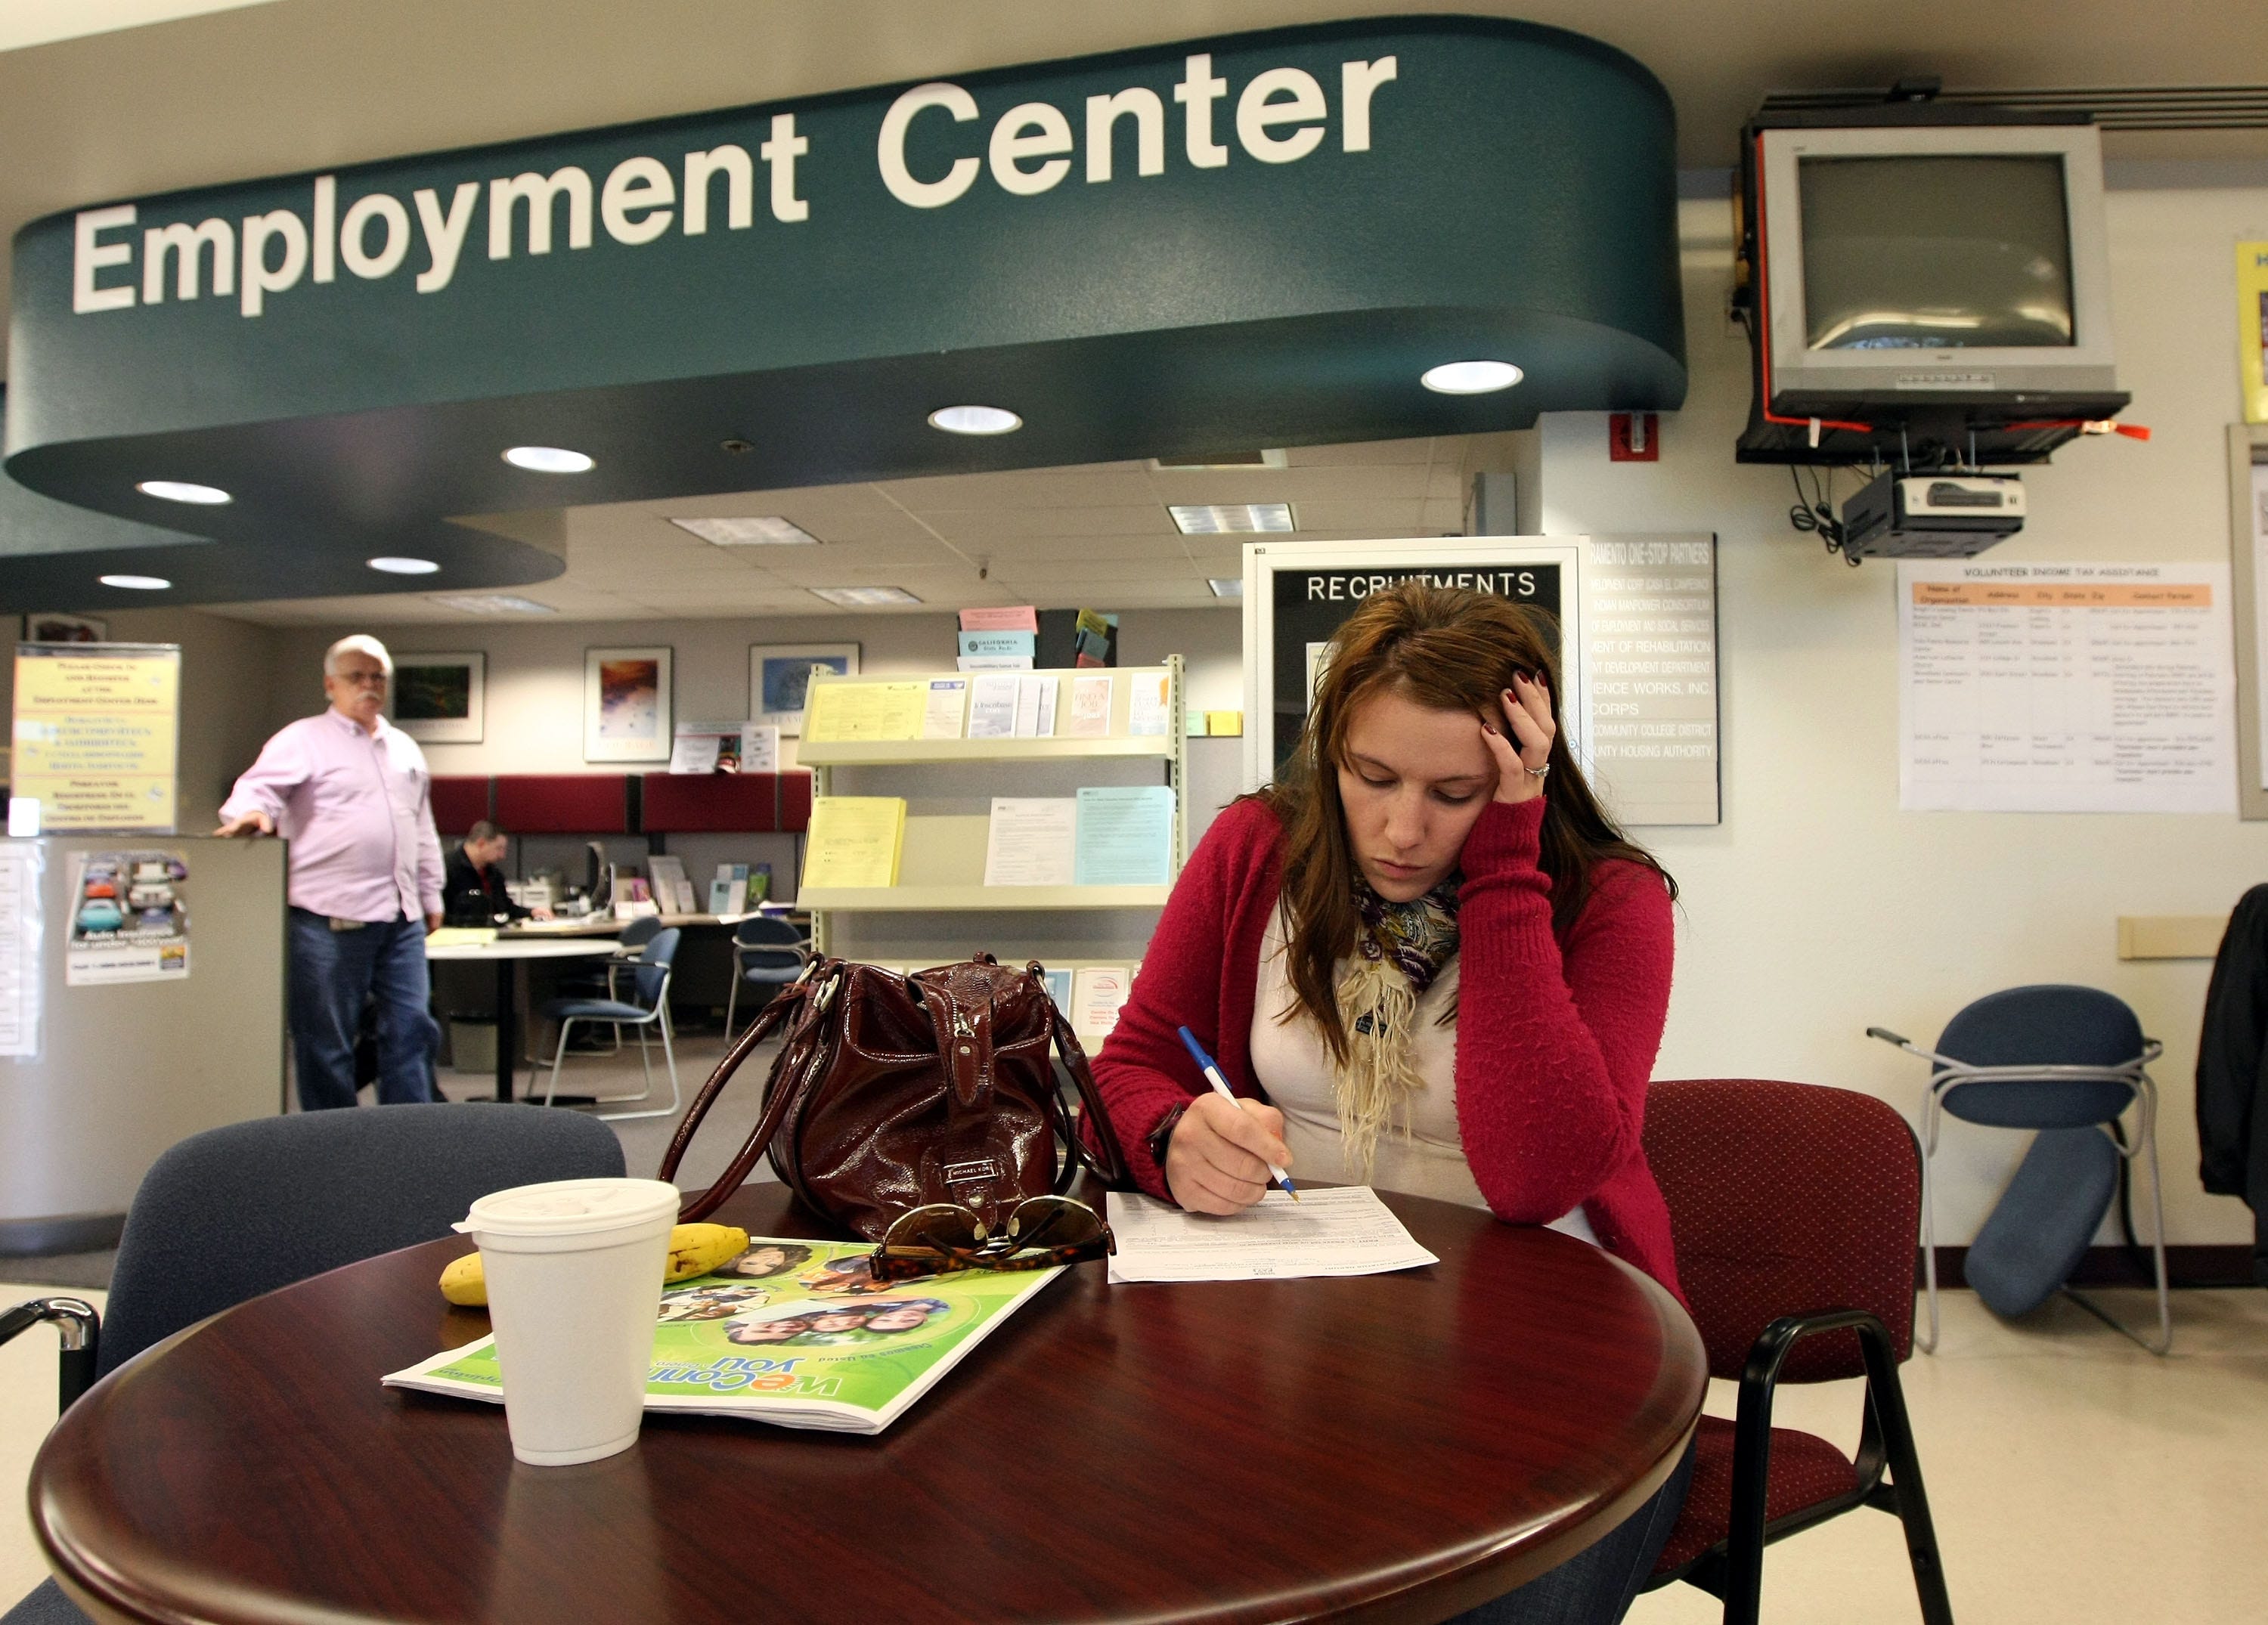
(574, 1271)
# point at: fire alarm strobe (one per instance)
(1931, 516)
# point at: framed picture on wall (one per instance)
(626, 704)
(439, 698)
(55, 627)
(779, 675)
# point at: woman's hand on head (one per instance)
(1217, 1161)
(1521, 742)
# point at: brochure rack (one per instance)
(941, 865)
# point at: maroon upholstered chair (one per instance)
(1796, 1211)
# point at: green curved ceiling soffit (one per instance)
(1515, 200)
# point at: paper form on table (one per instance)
(1332, 1230)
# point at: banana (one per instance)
(694, 1250)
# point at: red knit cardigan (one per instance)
(1556, 1036)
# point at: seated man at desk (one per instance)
(473, 892)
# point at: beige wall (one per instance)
(1818, 909)
(227, 670)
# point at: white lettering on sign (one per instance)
(1282, 116)
(1339, 588)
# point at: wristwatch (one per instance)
(1158, 1137)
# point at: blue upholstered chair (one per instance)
(646, 1008)
(768, 952)
(233, 1212)
(2069, 1062)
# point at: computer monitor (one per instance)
(1954, 264)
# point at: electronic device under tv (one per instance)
(1925, 285)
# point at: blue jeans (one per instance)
(1597, 1585)
(332, 974)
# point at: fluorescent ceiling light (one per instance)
(492, 604)
(1221, 459)
(768, 530)
(184, 490)
(140, 583)
(1222, 519)
(974, 420)
(861, 597)
(1232, 586)
(548, 460)
(1470, 377)
(395, 566)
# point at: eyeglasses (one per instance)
(361, 679)
(939, 1237)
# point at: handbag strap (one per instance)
(1110, 1166)
(806, 1000)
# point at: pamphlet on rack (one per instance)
(854, 841)
(1330, 1230)
(728, 893)
(1098, 993)
(1090, 706)
(1148, 713)
(1030, 841)
(671, 890)
(993, 662)
(1125, 836)
(974, 644)
(947, 705)
(992, 707)
(797, 1333)
(845, 712)
(1019, 617)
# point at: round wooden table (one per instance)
(1394, 1447)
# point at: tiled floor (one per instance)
(2074, 1477)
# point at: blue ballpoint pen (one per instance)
(1211, 1070)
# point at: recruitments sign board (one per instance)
(96, 731)
(1634, 618)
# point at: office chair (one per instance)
(647, 1007)
(1793, 1208)
(768, 952)
(2057, 1059)
(233, 1212)
(595, 979)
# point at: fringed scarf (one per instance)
(1400, 949)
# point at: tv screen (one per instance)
(1925, 252)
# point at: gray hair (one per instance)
(359, 643)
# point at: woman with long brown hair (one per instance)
(1432, 963)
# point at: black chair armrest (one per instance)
(81, 1328)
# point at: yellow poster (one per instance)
(96, 731)
(854, 841)
(866, 711)
(2252, 327)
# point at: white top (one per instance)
(571, 1207)
(1293, 1063)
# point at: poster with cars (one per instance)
(129, 921)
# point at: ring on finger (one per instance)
(1537, 773)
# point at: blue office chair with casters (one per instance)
(2069, 1062)
(233, 1212)
(647, 1008)
(768, 952)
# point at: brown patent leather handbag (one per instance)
(892, 1090)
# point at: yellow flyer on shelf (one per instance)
(854, 841)
(866, 711)
(2252, 327)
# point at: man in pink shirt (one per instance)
(351, 792)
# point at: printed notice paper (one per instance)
(991, 707)
(1030, 840)
(948, 698)
(1090, 706)
(1148, 713)
(854, 841)
(1098, 993)
(1126, 835)
(2066, 689)
(1340, 1231)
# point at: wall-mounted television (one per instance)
(1941, 275)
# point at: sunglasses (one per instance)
(940, 1237)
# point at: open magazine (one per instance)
(795, 1332)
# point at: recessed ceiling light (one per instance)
(492, 604)
(1221, 519)
(1470, 377)
(767, 530)
(974, 420)
(1221, 459)
(393, 566)
(139, 584)
(861, 597)
(1231, 587)
(184, 490)
(548, 460)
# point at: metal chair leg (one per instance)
(732, 1003)
(559, 1056)
(669, 1059)
(1885, 1399)
(1928, 1345)
(2146, 1141)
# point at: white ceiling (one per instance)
(1098, 534)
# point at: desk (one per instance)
(1387, 1448)
(509, 951)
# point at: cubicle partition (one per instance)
(137, 1038)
